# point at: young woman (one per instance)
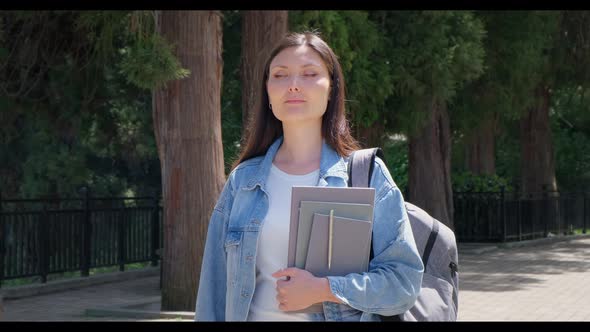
(300, 136)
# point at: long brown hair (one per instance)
(266, 128)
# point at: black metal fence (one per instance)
(42, 237)
(507, 216)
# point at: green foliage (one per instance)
(231, 89)
(571, 107)
(431, 55)
(75, 104)
(570, 124)
(467, 181)
(572, 160)
(516, 46)
(361, 50)
(121, 142)
(149, 63)
(508, 152)
(52, 167)
(83, 124)
(396, 159)
(101, 28)
(569, 55)
(507, 159)
(147, 58)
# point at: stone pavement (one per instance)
(532, 281)
(545, 282)
(72, 305)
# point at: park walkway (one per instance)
(546, 282)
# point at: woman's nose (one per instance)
(294, 85)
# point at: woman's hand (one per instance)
(301, 289)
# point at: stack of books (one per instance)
(330, 230)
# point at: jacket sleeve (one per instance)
(393, 281)
(211, 294)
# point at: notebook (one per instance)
(351, 240)
(307, 211)
(357, 195)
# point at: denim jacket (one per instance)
(228, 272)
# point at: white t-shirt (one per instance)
(273, 245)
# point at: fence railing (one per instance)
(507, 216)
(43, 237)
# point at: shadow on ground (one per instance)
(512, 269)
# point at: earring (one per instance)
(270, 105)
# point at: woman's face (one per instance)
(298, 85)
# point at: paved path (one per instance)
(549, 282)
(546, 282)
(71, 305)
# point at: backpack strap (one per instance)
(430, 243)
(360, 171)
(360, 166)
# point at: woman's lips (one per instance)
(295, 101)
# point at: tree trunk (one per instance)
(480, 157)
(372, 136)
(261, 29)
(429, 179)
(537, 161)
(187, 123)
(537, 166)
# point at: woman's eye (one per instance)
(310, 74)
(279, 75)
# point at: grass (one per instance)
(72, 274)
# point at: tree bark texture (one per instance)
(537, 161)
(429, 179)
(371, 136)
(480, 157)
(261, 30)
(187, 123)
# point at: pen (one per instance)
(330, 239)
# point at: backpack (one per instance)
(438, 297)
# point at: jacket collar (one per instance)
(331, 164)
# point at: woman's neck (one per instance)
(301, 150)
